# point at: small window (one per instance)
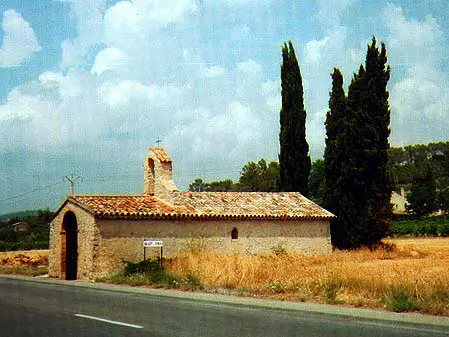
(235, 234)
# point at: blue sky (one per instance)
(87, 86)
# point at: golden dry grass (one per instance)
(29, 262)
(361, 277)
(24, 258)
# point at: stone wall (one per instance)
(122, 240)
(87, 236)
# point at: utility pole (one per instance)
(72, 179)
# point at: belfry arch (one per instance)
(69, 247)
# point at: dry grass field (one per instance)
(403, 275)
(30, 262)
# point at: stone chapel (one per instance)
(92, 235)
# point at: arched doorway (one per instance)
(69, 247)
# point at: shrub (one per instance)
(152, 272)
(191, 281)
(332, 289)
(147, 266)
(425, 226)
(276, 287)
(399, 300)
(23, 245)
(24, 270)
(279, 250)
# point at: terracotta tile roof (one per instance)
(161, 154)
(215, 205)
(288, 205)
(133, 206)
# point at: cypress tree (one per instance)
(351, 187)
(378, 109)
(294, 159)
(364, 187)
(332, 153)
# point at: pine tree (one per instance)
(364, 187)
(332, 153)
(294, 160)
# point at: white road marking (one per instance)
(110, 321)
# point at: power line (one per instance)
(74, 178)
(30, 192)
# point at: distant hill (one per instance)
(22, 214)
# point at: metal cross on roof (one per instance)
(158, 141)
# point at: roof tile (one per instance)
(259, 205)
(161, 155)
(128, 206)
(251, 204)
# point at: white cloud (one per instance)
(319, 59)
(331, 12)
(50, 77)
(314, 49)
(19, 106)
(420, 97)
(135, 20)
(88, 15)
(331, 51)
(419, 106)
(30, 122)
(234, 3)
(410, 40)
(133, 93)
(229, 133)
(250, 68)
(108, 59)
(271, 90)
(48, 115)
(19, 40)
(213, 71)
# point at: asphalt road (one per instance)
(44, 309)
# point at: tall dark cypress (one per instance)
(294, 159)
(364, 187)
(351, 187)
(332, 154)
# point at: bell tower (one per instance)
(158, 176)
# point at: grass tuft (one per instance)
(332, 288)
(150, 272)
(399, 300)
(24, 270)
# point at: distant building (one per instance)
(20, 227)
(92, 235)
(399, 201)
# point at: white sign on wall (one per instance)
(150, 243)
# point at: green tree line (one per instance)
(402, 165)
(35, 237)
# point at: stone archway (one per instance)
(69, 247)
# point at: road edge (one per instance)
(414, 318)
